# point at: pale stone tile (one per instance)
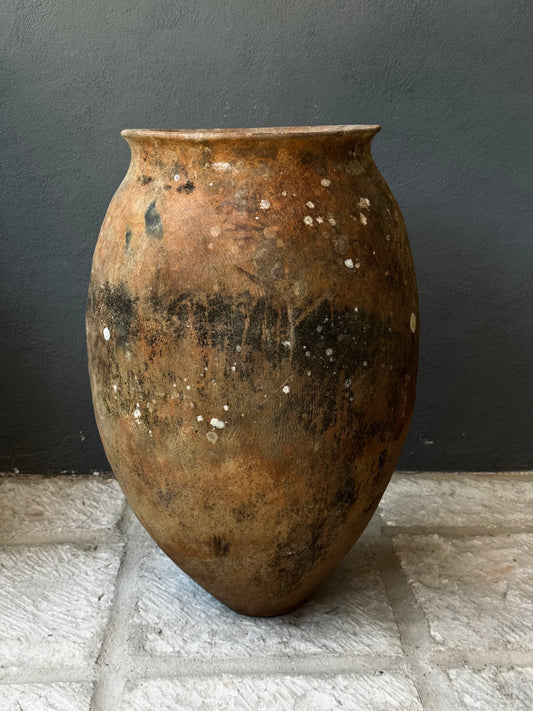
(476, 592)
(57, 696)
(494, 688)
(56, 600)
(35, 507)
(371, 692)
(350, 613)
(414, 500)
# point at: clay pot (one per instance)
(252, 337)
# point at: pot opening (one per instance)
(201, 134)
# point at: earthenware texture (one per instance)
(252, 329)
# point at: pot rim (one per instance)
(201, 134)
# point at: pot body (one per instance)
(252, 329)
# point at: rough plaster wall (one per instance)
(450, 82)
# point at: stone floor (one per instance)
(432, 609)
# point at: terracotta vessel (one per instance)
(252, 331)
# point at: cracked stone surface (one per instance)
(56, 602)
(476, 592)
(461, 500)
(380, 692)
(58, 696)
(37, 507)
(494, 688)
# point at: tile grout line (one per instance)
(523, 475)
(479, 659)
(44, 675)
(454, 532)
(113, 662)
(316, 665)
(81, 537)
(434, 688)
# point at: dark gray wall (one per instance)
(450, 82)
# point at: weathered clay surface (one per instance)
(252, 331)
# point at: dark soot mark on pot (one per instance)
(154, 226)
(330, 348)
(187, 187)
(346, 494)
(127, 238)
(328, 345)
(243, 512)
(145, 179)
(118, 310)
(380, 467)
(220, 547)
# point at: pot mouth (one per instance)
(201, 134)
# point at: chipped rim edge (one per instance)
(201, 134)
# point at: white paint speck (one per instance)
(215, 231)
(349, 263)
(225, 407)
(365, 363)
(200, 418)
(107, 333)
(347, 382)
(308, 220)
(233, 368)
(332, 221)
(308, 354)
(363, 203)
(357, 265)
(176, 177)
(222, 167)
(412, 323)
(212, 437)
(188, 387)
(114, 387)
(310, 204)
(264, 204)
(286, 389)
(284, 193)
(210, 185)
(329, 351)
(137, 414)
(320, 219)
(287, 344)
(238, 349)
(325, 182)
(363, 218)
(215, 422)
(308, 372)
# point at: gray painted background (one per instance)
(450, 82)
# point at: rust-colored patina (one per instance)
(252, 329)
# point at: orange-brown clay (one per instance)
(252, 328)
